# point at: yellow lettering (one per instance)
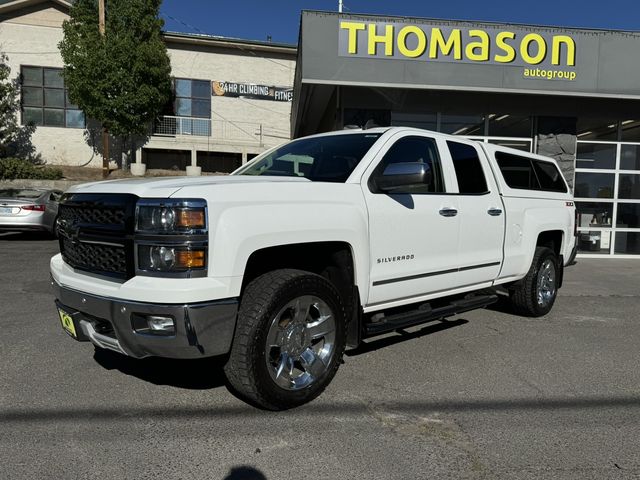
(402, 42)
(386, 39)
(524, 49)
(454, 42)
(352, 28)
(510, 52)
(478, 51)
(558, 40)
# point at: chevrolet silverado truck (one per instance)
(309, 249)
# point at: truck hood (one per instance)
(165, 187)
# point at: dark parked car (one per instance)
(29, 209)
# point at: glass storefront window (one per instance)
(509, 126)
(594, 242)
(459, 124)
(604, 129)
(628, 215)
(630, 157)
(630, 130)
(594, 214)
(629, 186)
(427, 121)
(627, 243)
(596, 155)
(594, 185)
(524, 145)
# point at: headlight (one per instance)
(171, 237)
(170, 217)
(170, 259)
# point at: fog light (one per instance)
(159, 324)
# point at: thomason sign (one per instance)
(552, 55)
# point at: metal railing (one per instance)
(170, 126)
(225, 131)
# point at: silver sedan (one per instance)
(29, 209)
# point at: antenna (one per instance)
(340, 5)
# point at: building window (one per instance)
(193, 98)
(45, 100)
(607, 190)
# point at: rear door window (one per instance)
(471, 179)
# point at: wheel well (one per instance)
(332, 260)
(551, 239)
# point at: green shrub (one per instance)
(16, 168)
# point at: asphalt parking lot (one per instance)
(485, 395)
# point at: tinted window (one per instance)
(323, 159)
(517, 171)
(469, 172)
(415, 150)
(530, 174)
(549, 176)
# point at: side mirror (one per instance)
(401, 175)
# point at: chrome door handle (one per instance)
(494, 212)
(448, 212)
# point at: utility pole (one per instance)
(340, 5)
(105, 132)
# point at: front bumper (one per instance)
(202, 329)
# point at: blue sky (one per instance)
(255, 20)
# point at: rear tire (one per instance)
(289, 339)
(535, 294)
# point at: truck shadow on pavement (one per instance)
(402, 335)
(200, 374)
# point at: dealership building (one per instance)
(571, 94)
(231, 97)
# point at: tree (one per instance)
(122, 79)
(15, 140)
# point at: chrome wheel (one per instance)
(300, 342)
(546, 283)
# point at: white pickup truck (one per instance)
(308, 249)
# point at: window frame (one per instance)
(379, 167)
(42, 107)
(191, 98)
(455, 170)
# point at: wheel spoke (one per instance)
(303, 305)
(274, 337)
(321, 328)
(312, 363)
(284, 370)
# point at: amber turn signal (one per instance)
(190, 259)
(190, 218)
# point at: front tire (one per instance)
(289, 339)
(535, 294)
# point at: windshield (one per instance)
(320, 159)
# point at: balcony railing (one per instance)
(169, 126)
(224, 131)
